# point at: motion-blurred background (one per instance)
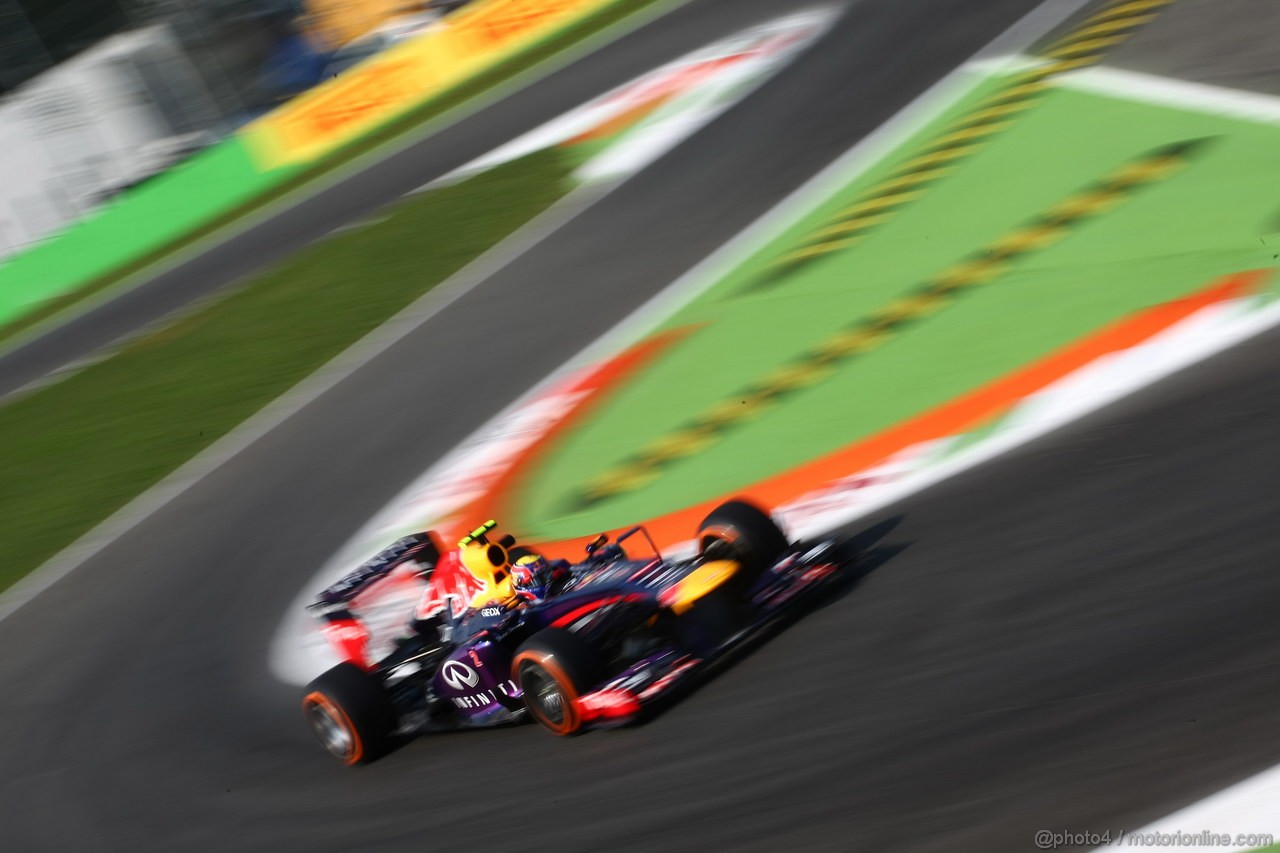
(282, 280)
(96, 96)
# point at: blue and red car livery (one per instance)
(606, 639)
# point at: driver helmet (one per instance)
(530, 575)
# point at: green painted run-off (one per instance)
(147, 218)
(1173, 237)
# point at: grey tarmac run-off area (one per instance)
(1221, 42)
(1078, 637)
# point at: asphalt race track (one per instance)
(1080, 636)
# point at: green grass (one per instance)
(76, 451)
(434, 108)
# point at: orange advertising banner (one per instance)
(406, 75)
(490, 26)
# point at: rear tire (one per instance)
(350, 713)
(741, 531)
(554, 668)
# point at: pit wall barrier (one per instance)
(266, 153)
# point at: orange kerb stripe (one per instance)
(957, 416)
(658, 94)
(993, 400)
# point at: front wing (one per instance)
(781, 591)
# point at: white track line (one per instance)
(1178, 94)
(1150, 88)
(1248, 807)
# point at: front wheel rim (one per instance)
(547, 694)
(332, 733)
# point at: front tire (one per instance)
(741, 531)
(554, 668)
(350, 713)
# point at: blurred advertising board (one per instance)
(335, 22)
(404, 76)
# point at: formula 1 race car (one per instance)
(603, 641)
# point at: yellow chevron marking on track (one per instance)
(1150, 170)
(1062, 66)
(797, 375)
(975, 132)
(1003, 110)
(1124, 9)
(623, 480)
(1038, 237)
(1087, 205)
(1089, 46)
(684, 443)
(945, 155)
(859, 224)
(910, 308)
(874, 204)
(881, 325)
(729, 411)
(914, 179)
(1107, 28)
(1083, 46)
(1025, 89)
(971, 273)
(818, 249)
(850, 341)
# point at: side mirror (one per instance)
(594, 544)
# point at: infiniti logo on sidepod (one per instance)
(458, 675)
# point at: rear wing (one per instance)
(420, 548)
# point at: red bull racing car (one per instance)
(504, 635)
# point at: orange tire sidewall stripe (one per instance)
(725, 534)
(335, 711)
(572, 717)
